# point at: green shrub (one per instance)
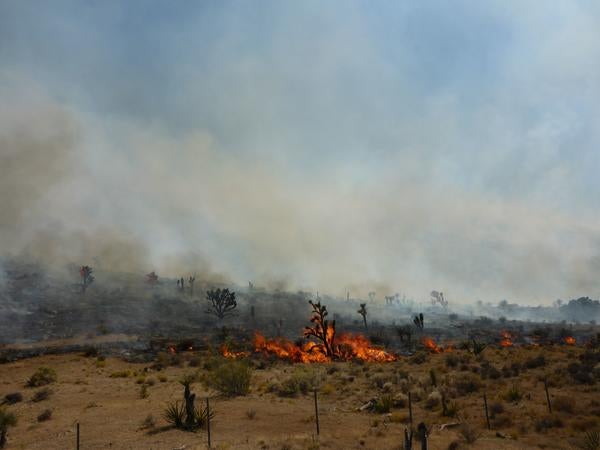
(513, 394)
(230, 378)
(302, 381)
(383, 405)
(42, 377)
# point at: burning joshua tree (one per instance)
(363, 312)
(222, 302)
(323, 330)
(85, 272)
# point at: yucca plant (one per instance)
(591, 441)
(175, 414)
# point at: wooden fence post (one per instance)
(208, 421)
(547, 395)
(77, 435)
(410, 415)
(487, 416)
(316, 412)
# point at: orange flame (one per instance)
(570, 340)
(348, 347)
(232, 355)
(506, 339)
(431, 345)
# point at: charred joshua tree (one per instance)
(404, 332)
(191, 281)
(322, 330)
(85, 272)
(221, 302)
(363, 312)
(418, 321)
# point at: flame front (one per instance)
(570, 340)
(348, 347)
(506, 339)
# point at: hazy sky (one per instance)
(388, 146)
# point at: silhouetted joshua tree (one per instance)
(418, 321)
(221, 302)
(322, 329)
(191, 281)
(363, 312)
(85, 272)
(152, 278)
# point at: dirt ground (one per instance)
(112, 412)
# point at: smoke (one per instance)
(330, 161)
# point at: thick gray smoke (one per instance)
(371, 149)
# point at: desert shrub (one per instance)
(549, 421)
(490, 371)
(195, 362)
(100, 362)
(231, 378)
(511, 371)
(496, 408)
(44, 415)
(149, 422)
(433, 400)
(384, 404)
(121, 374)
(467, 384)
(419, 358)
(513, 394)
(581, 373)
(42, 394)
(449, 409)
(144, 391)
(150, 381)
(535, 362)
(501, 421)
(7, 420)
(301, 381)
(42, 377)
(140, 380)
(251, 414)
(451, 360)
(590, 441)
(564, 404)
(162, 378)
(469, 432)
(12, 398)
(90, 352)
(400, 400)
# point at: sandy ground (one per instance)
(111, 411)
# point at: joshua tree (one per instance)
(372, 296)
(187, 416)
(221, 302)
(363, 312)
(191, 281)
(7, 420)
(438, 297)
(418, 321)
(323, 330)
(85, 272)
(404, 332)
